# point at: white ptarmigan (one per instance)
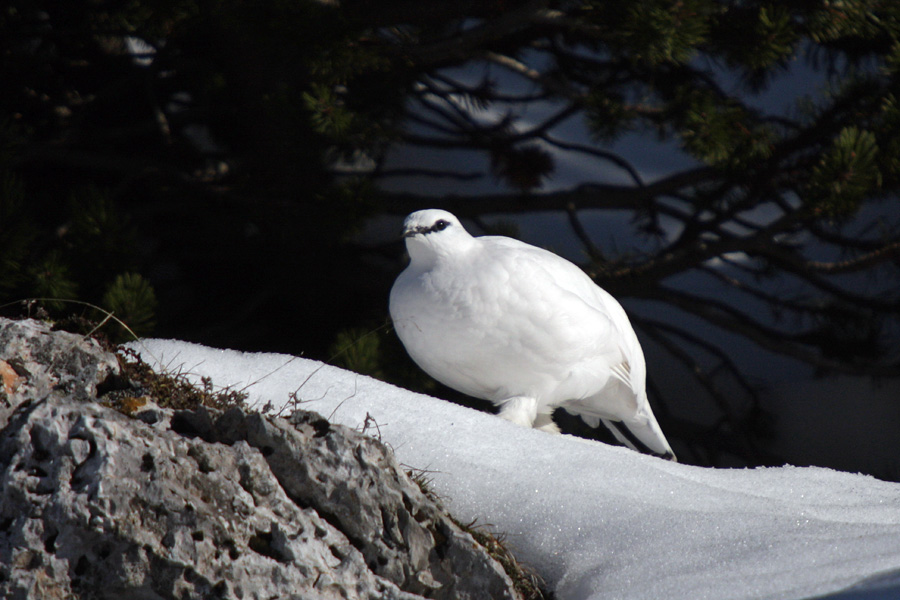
(504, 321)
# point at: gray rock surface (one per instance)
(35, 361)
(204, 504)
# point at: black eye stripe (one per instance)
(439, 225)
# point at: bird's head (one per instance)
(432, 233)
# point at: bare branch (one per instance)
(582, 234)
(690, 362)
(716, 351)
(843, 241)
(433, 125)
(495, 95)
(770, 299)
(599, 153)
(519, 68)
(549, 123)
(461, 118)
(590, 195)
(471, 42)
(887, 252)
(435, 173)
(436, 142)
(785, 344)
(516, 66)
(794, 268)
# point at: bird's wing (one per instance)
(560, 318)
(599, 317)
(557, 297)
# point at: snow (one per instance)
(598, 521)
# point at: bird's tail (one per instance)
(643, 435)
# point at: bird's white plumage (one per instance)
(501, 320)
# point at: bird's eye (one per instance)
(441, 225)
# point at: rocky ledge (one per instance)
(203, 503)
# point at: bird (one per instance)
(501, 320)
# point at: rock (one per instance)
(205, 504)
(355, 482)
(35, 360)
(95, 504)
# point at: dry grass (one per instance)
(139, 383)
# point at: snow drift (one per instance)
(598, 521)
